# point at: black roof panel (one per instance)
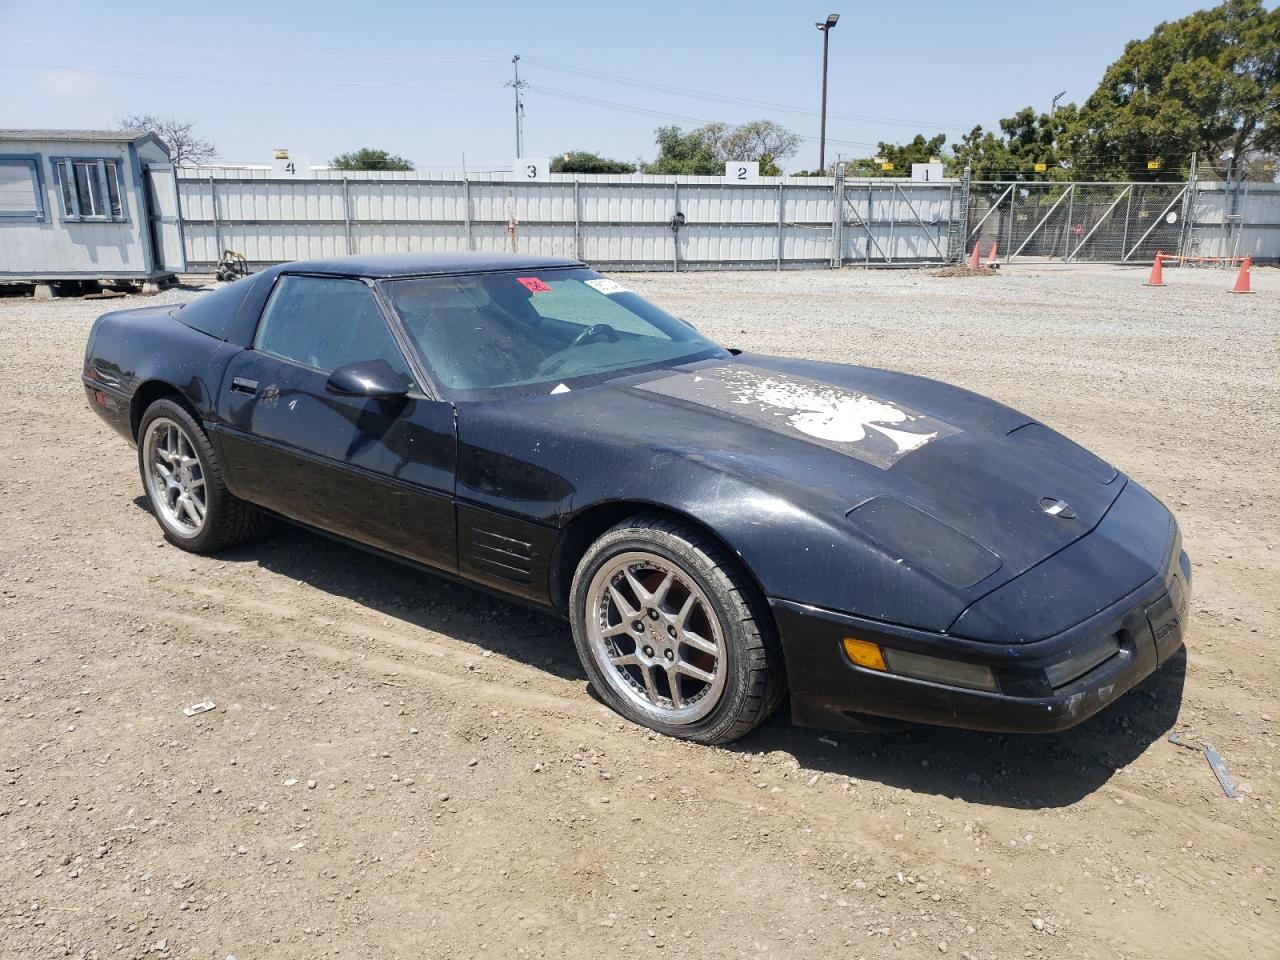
(382, 265)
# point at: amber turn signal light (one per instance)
(864, 653)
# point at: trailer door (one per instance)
(165, 217)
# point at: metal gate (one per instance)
(893, 222)
(1106, 222)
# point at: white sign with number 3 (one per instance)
(531, 168)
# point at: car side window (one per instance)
(326, 323)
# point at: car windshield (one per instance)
(530, 331)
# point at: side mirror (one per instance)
(375, 379)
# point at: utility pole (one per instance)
(517, 84)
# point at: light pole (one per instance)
(826, 28)
(1053, 104)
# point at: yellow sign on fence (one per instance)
(1153, 164)
(1041, 167)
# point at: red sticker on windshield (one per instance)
(534, 284)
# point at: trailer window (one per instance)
(90, 189)
(20, 195)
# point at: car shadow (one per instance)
(1007, 770)
(487, 622)
(1026, 771)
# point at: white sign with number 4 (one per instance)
(290, 168)
(742, 171)
(527, 168)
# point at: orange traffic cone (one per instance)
(1157, 272)
(1242, 278)
(991, 257)
(977, 252)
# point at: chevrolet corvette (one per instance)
(722, 530)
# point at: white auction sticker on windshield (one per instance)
(606, 286)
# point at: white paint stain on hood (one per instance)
(871, 428)
(828, 413)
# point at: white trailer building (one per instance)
(87, 205)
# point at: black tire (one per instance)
(755, 680)
(227, 519)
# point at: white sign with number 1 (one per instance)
(531, 168)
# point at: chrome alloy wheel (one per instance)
(656, 638)
(174, 478)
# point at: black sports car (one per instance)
(720, 528)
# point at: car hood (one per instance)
(957, 484)
(874, 492)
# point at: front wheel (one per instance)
(673, 634)
(183, 482)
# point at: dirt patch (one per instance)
(964, 270)
(397, 766)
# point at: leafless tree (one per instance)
(186, 147)
(757, 140)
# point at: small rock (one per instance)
(311, 784)
(291, 782)
(442, 797)
(472, 762)
(1038, 923)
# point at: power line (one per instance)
(484, 58)
(252, 81)
(660, 114)
(254, 54)
(739, 101)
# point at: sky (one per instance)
(426, 80)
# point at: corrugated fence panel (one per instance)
(623, 222)
(620, 221)
(1227, 226)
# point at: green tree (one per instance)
(901, 155)
(367, 158)
(583, 161)
(692, 153)
(1209, 82)
(1026, 139)
(705, 150)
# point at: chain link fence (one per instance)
(1106, 222)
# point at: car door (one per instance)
(378, 471)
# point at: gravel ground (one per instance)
(402, 767)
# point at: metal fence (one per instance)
(639, 222)
(1111, 222)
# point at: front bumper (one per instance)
(829, 691)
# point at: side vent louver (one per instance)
(500, 555)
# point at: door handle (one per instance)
(242, 385)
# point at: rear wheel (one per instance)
(673, 634)
(183, 483)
